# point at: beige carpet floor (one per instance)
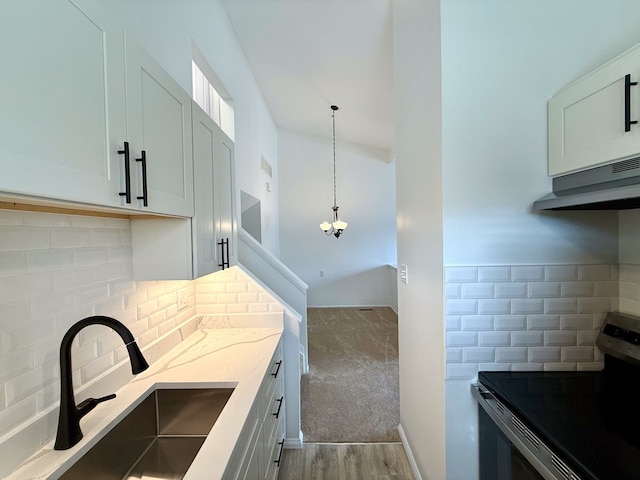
(351, 392)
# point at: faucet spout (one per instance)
(69, 432)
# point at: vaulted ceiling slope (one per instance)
(309, 54)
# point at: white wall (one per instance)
(501, 61)
(166, 28)
(417, 90)
(354, 265)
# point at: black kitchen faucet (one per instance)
(69, 432)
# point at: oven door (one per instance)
(499, 458)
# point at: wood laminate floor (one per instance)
(365, 461)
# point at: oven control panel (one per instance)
(620, 337)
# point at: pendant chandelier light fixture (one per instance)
(336, 227)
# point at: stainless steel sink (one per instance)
(159, 438)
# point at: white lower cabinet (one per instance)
(258, 452)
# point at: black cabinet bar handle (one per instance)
(280, 401)
(275, 374)
(224, 251)
(277, 462)
(144, 197)
(627, 102)
(127, 173)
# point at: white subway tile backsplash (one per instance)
(511, 290)
(560, 337)
(527, 339)
(526, 367)
(510, 322)
(28, 384)
(577, 289)
(90, 255)
(594, 305)
(577, 354)
(70, 237)
(13, 263)
(25, 286)
(461, 274)
(18, 238)
(587, 337)
(15, 415)
(477, 322)
(494, 274)
(453, 290)
(461, 307)
(462, 339)
(536, 309)
(92, 369)
(454, 355)
(543, 322)
(460, 371)
(494, 307)
(596, 272)
(576, 322)
(561, 305)
(606, 289)
(560, 367)
(511, 354)
(478, 355)
(494, 339)
(527, 306)
(544, 354)
(72, 278)
(558, 273)
(51, 304)
(528, 273)
(453, 322)
(48, 260)
(544, 289)
(477, 290)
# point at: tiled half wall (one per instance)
(542, 317)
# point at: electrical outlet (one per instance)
(321, 273)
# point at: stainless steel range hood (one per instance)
(610, 187)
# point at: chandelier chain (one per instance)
(333, 118)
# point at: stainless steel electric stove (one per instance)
(566, 425)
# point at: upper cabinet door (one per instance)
(595, 120)
(62, 115)
(226, 224)
(159, 129)
(205, 259)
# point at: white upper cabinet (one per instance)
(62, 119)
(159, 132)
(226, 224)
(74, 92)
(205, 243)
(595, 120)
(214, 222)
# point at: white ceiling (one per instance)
(310, 54)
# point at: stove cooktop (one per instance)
(590, 419)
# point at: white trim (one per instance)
(407, 450)
(272, 260)
(294, 443)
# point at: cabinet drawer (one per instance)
(275, 458)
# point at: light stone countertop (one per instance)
(218, 357)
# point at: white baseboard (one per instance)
(407, 450)
(294, 443)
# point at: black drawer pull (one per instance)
(127, 173)
(275, 374)
(627, 102)
(280, 401)
(277, 462)
(144, 197)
